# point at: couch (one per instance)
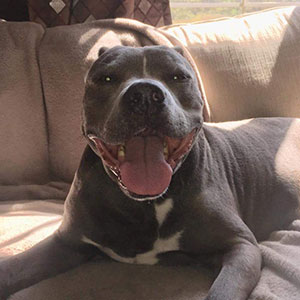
(249, 67)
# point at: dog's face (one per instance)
(142, 110)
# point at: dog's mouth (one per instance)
(144, 165)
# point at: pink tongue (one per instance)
(145, 171)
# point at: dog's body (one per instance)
(168, 188)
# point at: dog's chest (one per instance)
(160, 245)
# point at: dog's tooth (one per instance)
(121, 152)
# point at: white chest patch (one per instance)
(161, 245)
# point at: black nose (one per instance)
(144, 98)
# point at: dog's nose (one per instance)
(144, 98)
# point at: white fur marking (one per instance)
(145, 74)
(108, 251)
(162, 210)
(160, 246)
(147, 258)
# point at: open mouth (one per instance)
(144, 165)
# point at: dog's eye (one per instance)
(180, 77)
(107, 78)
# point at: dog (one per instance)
(157, 184)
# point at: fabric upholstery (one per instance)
(51, 190)
(249, 65)
(23, 223)
(23, 132)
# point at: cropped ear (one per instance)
(102, 50)
(179, 50)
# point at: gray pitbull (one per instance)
(157, 185)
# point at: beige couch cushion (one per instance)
(24, 223)
(249, 65)
(23, 135)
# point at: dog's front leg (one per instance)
(239, 274)
(46, 259)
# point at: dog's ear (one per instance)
(102, 50)
(179, 50)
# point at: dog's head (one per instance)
(142, 110)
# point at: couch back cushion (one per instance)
(250, 65)
(66, 54)
(23, 134)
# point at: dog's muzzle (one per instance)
(144, 163)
